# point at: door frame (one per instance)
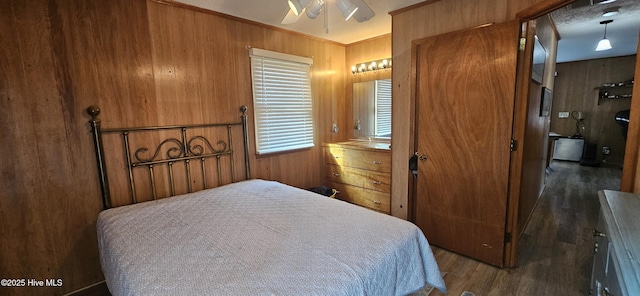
(522, 89)
(521, 96)
(629, 181)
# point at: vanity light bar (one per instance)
(382, 64)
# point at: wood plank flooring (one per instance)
(556, 248)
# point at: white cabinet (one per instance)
(616, 265)
(568, 149)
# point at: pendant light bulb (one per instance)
(604, 44)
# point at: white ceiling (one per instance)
(579, 27)
(271, 12)
(580, 30)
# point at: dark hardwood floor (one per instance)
(556, 248)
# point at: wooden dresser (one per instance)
(361, 172)
(616, 262)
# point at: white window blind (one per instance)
(383, 108)
(281, 101)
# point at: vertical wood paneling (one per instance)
(174, 50)
(339, 95)
(362, 52)
(226, 76)
(575, 91)
(19, 195)
(43, 240)
(144, 64)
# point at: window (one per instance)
(383, 108)
(281, 101)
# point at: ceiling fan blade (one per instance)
(364, 13)
(290, 18)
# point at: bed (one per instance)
(248, 236)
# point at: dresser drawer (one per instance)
(613, 278)
(374, 180)
(333, 155)
(371, 199)
(601, 240)
(368, 160)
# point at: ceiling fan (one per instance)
(312, 8)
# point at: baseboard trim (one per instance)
(85, 289)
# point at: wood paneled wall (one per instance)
(361, 52)
(536, 140)
(143, 63)
(575, 91)
(429, 19)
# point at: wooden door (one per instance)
(465, 86)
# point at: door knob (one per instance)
(598, 234)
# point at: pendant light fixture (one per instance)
(604, 44)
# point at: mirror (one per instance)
(372, 109)
(539, 59)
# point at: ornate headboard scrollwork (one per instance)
(172, 150)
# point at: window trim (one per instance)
(264, 146)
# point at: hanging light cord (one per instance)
(326, 19)
(605, 22)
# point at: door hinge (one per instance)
(507, 237)
(523, 43)
(514, 145)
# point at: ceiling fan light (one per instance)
(604, 44)
(315, 8)
(298, 5)
(347, 8)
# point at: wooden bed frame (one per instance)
(193, 146)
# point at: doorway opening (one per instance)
(592, 92)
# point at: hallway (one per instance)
(556, 248)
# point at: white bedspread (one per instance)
(261, 238)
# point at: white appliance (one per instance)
(568, 149)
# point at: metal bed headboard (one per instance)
(178, 150)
